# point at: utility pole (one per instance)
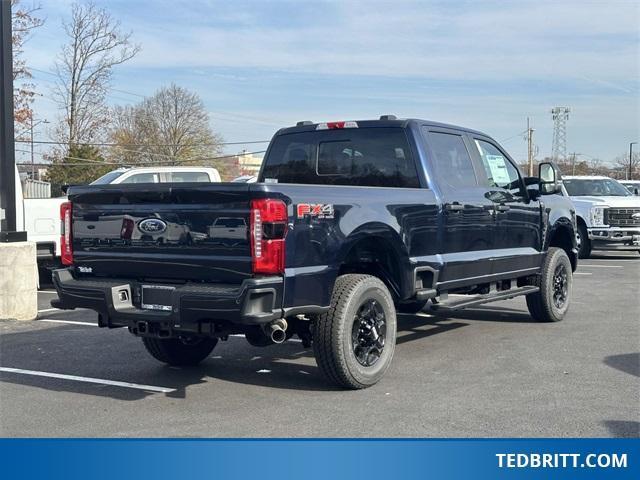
(630, 172)
(530, 147)
(573, 163)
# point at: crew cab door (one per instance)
(517, 218)
(467, 236)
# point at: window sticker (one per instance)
(498, 167)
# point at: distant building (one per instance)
(249, 163)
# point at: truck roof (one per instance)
(384, 121)
(187, 168)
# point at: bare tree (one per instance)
(24, 19)
(622, 163)
(171, 127)
(95, 45)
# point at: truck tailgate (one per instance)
(163, 231)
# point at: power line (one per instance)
(114, 89)
(88, 162)
(113, 144)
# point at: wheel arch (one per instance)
(378, 250)
(562, 235)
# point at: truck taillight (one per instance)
(268, 228)
(66, 239)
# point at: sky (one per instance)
(487, 65)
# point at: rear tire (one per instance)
(354, 341)
(551, 302)
(173, 351)
(584, 244)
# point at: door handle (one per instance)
(453, 207)
(502, 208)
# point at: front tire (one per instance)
(551, 302)
(355, 340)
(176, 352)
(584, 244)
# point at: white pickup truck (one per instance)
(608, 214)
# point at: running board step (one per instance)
(450, 305)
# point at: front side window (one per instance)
(451, 160)
(141, 178)
(107, 178)
(500, 171)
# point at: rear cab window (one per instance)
(376, 157)
(185, 177)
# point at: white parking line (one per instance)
(70, 322)
(583, 273)
(76, 378)
(47, 291)
(48, 310)
(600, 266)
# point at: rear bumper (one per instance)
(196, 308)
(615, 238)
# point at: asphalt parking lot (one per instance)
(484, 372)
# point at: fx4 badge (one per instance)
(317, 210)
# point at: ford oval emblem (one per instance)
(152, 225)
(636, 216)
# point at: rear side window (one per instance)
(377, 157)
(451, 160)
(181, 177)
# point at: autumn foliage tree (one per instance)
(82, 165)
(170, 128)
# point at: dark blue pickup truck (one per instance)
(349, 223)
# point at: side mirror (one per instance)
(549, 178)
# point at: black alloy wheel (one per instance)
(560, 285)
(368, 333)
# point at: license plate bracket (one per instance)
(157, 297)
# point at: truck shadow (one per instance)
(623, 428)
(630, 256)
(115, 355)
(626, 362)
(487, 314)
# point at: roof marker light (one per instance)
(336, 125)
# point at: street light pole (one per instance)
(33, 168)
(629, 173)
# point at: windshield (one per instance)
(605, 187)
(107, 178)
